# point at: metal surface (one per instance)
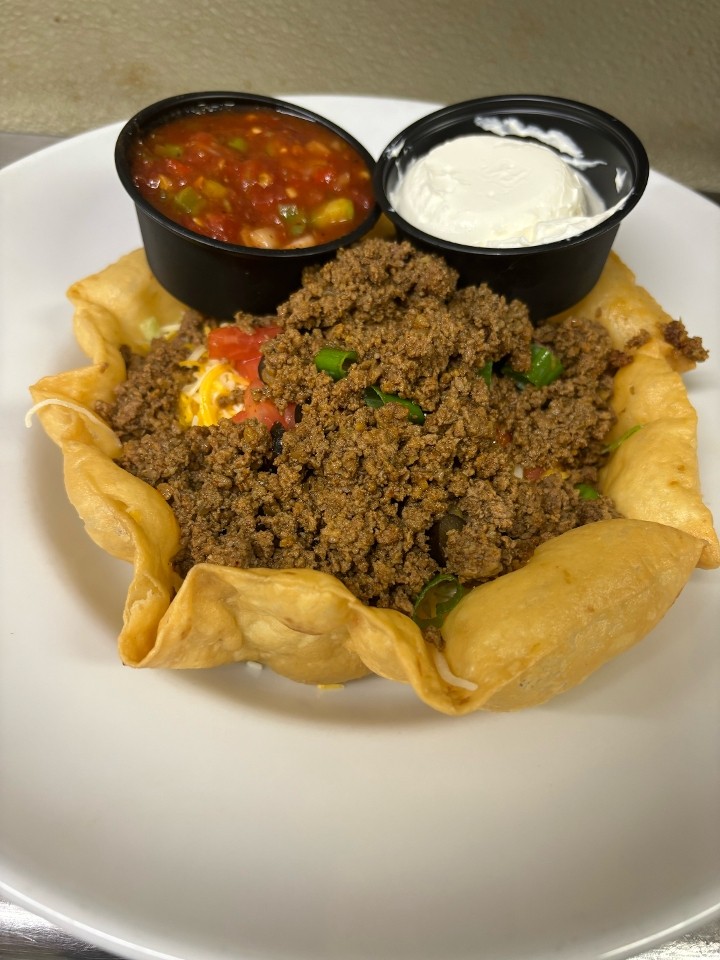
(23, 936)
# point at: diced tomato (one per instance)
(243, 351)
(288, 416)
(234, 345)
(250, 369)
(264, 411)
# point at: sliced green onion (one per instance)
(375, 398)
(620, 440)
(545, 367)
(586, 491)
(335, 362)
(486, 372)
(436, 599)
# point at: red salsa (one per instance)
(259, 178)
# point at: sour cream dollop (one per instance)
(486, 191)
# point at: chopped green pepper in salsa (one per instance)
(259, 178)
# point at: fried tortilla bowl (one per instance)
(515, 642)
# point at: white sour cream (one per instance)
(489, 191)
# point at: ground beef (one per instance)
(366, 494)
(640, 338)
(691, 348)
(146, 402)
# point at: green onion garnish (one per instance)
(545, 367)
(616, 443)
(436, 600)
(486, 372)
(335, 362)
(376, 398)
(586, 492)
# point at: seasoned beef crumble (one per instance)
(362, 493)
(689, 347)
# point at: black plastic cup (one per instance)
(548, 277)
(217, 278)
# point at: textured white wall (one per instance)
(68, 66)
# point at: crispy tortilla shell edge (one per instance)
(654, 473)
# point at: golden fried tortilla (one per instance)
(653, 474)
(583, 598)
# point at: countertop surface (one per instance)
(23, 936)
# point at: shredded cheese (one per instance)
(78, 408)
(199, 402)
(443, 668)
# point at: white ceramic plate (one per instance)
(230, 815)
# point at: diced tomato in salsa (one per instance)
(258, 178)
